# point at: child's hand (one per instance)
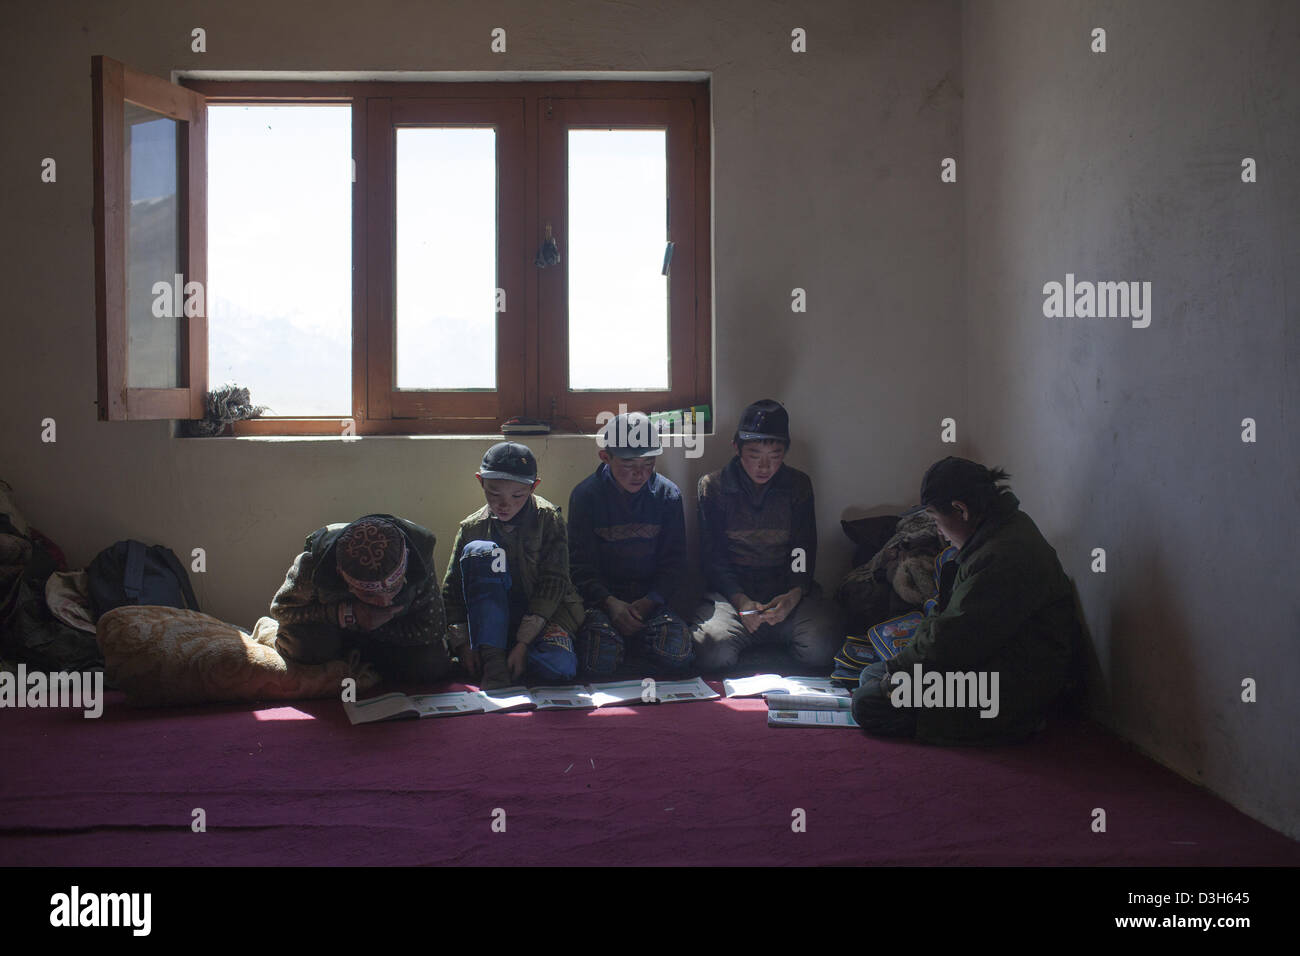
(643, 609)
(458, 638)
(623, 616)
(750, 621)
(517, 660)
(780, 608)
(371, 618)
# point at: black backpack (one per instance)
(133, 573)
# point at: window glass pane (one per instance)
(152, 249)
(446, 258)
(280, 255)
(618, 229)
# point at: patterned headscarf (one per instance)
(371, 556)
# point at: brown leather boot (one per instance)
(495, 672)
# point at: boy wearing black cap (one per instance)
(627, 554)
(1011, 612)
(758, 538)
(511, 607)
(368, 586)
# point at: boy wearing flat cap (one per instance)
(758, 542)
(368, 586)
(627, 555)
(512, 610)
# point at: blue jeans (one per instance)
(487, 600)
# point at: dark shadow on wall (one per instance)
(1086, 693)
(1154, 700)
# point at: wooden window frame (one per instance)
(451, 410)
(536, 366)
(556, 116)
(113, 85)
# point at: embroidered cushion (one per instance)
(166, 655)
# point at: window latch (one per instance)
(549, 253)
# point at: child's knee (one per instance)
(552, 656)
(668, 642)
(478, 549)
(481, 571)
(599, 647)
(816, 651)
(714, 653)
(482, 559)
(556, 667)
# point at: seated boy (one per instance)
(512, 608)
(368, 586)
(758, 542)
(1009, 623)
(627, 555)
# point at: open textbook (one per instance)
(396, 706)
(644, 691)
(803, 709)
(766, 684)
(780, 717)
(808, 702)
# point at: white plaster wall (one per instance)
(1126, 165)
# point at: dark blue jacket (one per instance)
(630, 546)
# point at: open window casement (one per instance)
(150, 245)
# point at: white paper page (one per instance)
(618, 692)
(814, 685)
(752, 686)
(382, 707)
(505, 698)
(677, 691)
(776, 684)
(447, 705)
(569, 697)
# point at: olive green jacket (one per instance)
(536, 545)
(1012, 611)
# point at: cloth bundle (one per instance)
(898, 578)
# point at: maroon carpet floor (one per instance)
(694, 783)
